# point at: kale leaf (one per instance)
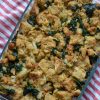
(57, 41)
(67, 39)
(10, 91)
(54, 51)
(63, 54)
(14, 38)
(30, 90)
(51, 33)
(73, 24)
(89, 9)
(77, 47)
(32, 20)
(38, 44)
(11, 65)
(88, 73)
(93, 59)
(15, 53)
(48, 3)
(79, 83)
(85, 32)
(18, 67)
(6, 91)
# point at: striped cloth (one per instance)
(10, 12)
(92, 91)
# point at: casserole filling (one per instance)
(53, 53)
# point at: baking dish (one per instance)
(92, 72)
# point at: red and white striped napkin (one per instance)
(92, 91)
(10, 13)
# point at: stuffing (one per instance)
(56, 45)
(94, 21)
(19, 93)
(97, 47)
(35, 9)
(27, 98)
(76, 39)
(41, 3)
(21, 40)
(67, 31)
(63, 95)
(83, 51)
(79, 31)
(72, 3)
(59, 66)
(68, 84)
(90, 41)
(11, 57)
(25, 27)
(21, 53)
(49, 97)
(61, 77)
(42, 18)
(47, 44)
(97, 36)
(45, 65)
(4, 61)
(54, 10)
(79, 73)
(61, 39)
(55, 21)
(63, 14)
(87, 62)
(84, 1)
(91, 52)
(23, 73)
(76, 93)
(35, 74)
(48, 87)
